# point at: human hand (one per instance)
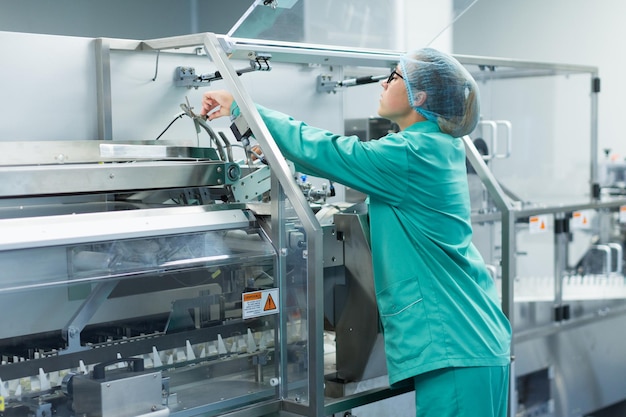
(216, 104)
(256, 152)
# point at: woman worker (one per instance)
(444, 330)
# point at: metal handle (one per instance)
(616, 254)
(493, 138)
(495, 126)
(134, 364)
(606, 250)
(509, 141)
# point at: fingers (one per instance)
(221, 112)
(256, 152)
(216, 104)
(208, 104)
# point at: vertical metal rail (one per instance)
(561, 240)
(508, 248)
(315, 316)
(103, 87)
(508, 222)
(278, 240)
(508, 279)
(594, 180)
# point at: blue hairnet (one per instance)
(452, 99)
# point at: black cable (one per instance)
(170, 125)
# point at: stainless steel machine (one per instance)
(180, 276)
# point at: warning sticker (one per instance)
(259, 303)
(622, 214)
(538, 224)
(581, 219)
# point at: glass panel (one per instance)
(174, 303)
(282, 22)
(59, 264)
(517, 127)
(566, 264)
(295, 315)
(352, 23)
(166, 252)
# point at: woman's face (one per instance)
(394, 101)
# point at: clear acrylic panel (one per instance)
(295, 290)
(350, 23)
(517, 127)
(175, 302)
(131, 257)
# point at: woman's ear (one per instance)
(420, 99)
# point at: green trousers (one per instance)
(463, 392)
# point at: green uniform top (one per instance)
(438, 304)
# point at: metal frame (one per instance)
(281, 172)
(283, 187)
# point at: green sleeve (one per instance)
(377, 168)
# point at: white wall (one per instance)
(562, 31)
(417, 24)
(422, 23)
(48, 86)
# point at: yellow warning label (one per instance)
(259, 303)
(269, 303)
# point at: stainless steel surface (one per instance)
(154, 151)
(84, 178)
(80, 228)
(587, 363)
(125, 394)
(59, 152)
(252, 186)
(358, 355)
(103, 80)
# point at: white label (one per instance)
(622, 214)
(581, 219)
(538, 224)
(259, 303)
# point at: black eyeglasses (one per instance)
(392, 76)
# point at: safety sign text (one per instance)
(259, 303)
